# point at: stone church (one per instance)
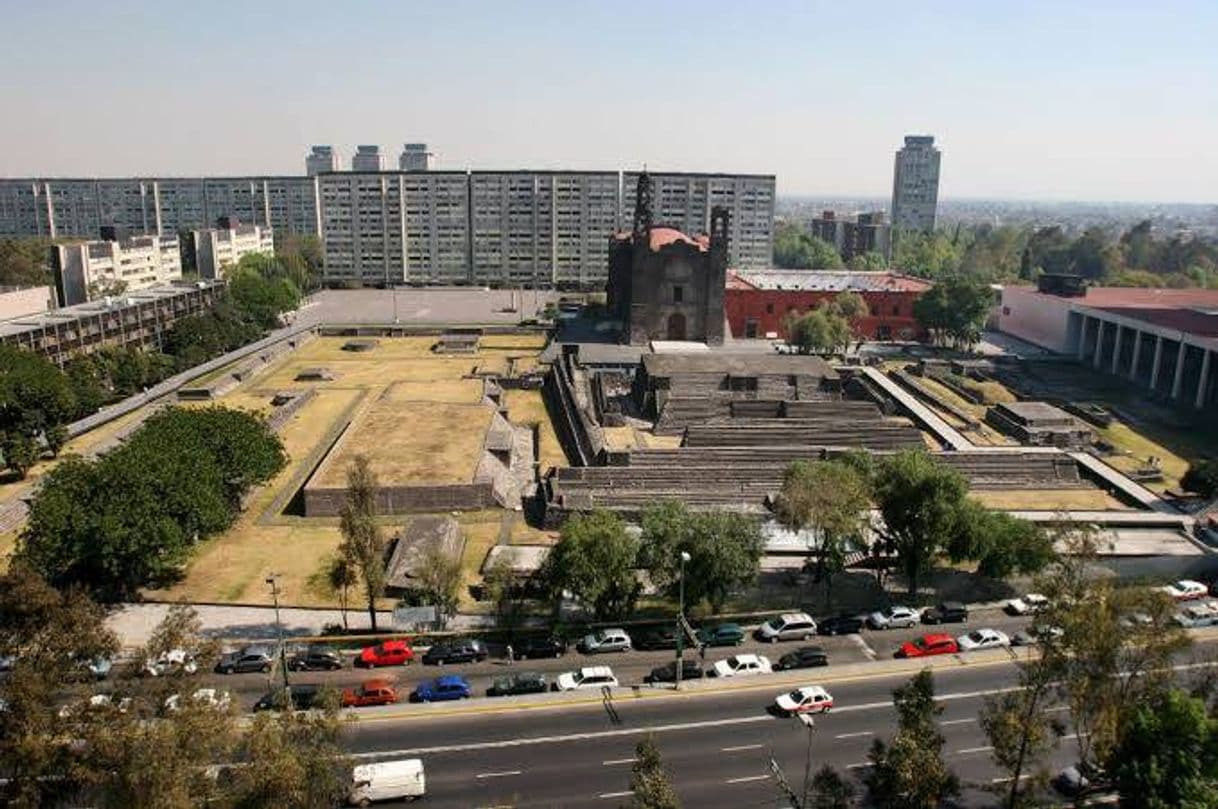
(665, 285)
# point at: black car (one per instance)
(949, 612)
(659, 638)
(551, 646)
(464, 650)
(840, 625)
(668, 672)
(805, 657)
(316, 657)
(524, 682)
(303, 696)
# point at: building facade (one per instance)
(367, 158)
(415, 157)
(759, 302)
(116, 264)
(868, 233)
(915, 185)
(219, 248)
(21, 301)
(138, 319)
(320, 160)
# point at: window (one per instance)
(769, 308)
(896, 309)
(678, 294)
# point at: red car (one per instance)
(373, 692)
(388, 653)
(928, 645)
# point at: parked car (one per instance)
(387, 781)
(370, 692)
(551, 646)
(658, 638)
(249, 658)
(605, 640)
(742, 666)
(523, 682)
(303, 697)
(1198, 615)
(1023, 638)
(808, 699)
(928, 645)
(840, 625)
(587, 677)
(171, 661)
(983, 639)
(949, 612)
(461, 650)
(316, 657)
(789, 626)
(1186, 590)
(690, 670)
(893, 618)
(388, 653)
(721, 635)
(1136, 619)
(805, 657)
(1029, 604)
(441, 689)
(207, 697)
(99, 668)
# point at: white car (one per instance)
(742, 666)
(170, 661)
(208, 697)
(1196, 615)
(808, 699)
(983, 639)
(587, 677)
(1030, 604)
(1186, 590)
(894, 618)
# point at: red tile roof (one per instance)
(662, 236)
(825, 281)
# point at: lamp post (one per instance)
(273, 581)
(681, 619)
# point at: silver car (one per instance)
(893, 618)
(605, 640)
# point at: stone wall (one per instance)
(328, 502)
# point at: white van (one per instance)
(386, 781)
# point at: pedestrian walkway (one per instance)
(928, 418)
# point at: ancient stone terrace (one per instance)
(804, 432)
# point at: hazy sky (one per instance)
(1068, 100)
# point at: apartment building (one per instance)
(223, 246)
(367, 158)
(415, 157)
(115, 264)
(138, 319)
(915, 185)
(321, 159)
(868, 233)
(684, 201)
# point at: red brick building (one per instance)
(758, 301)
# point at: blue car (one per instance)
(450, 686)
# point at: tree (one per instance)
(819, 331)
(363, 543)
(594, 560)
(1003, 544)
(828, 790)
(1167, 756)
(440, 577)
(1021, 733)
(833, 499)
(725, 551)
(649, 783)
(796, 249)
(23, 262)
(1202, 477)
(292, 760)
(261, 299)
(954, 310)
(868, 262)
(909, 772)
(501, 588)
(927, 255)
(340, 578)
(36, 400)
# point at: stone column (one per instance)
(1082, 337)
(1199, 401)
(1137, 352)
(1154, 366)
(1097, 358)
(1116, 348)
(1178, 380)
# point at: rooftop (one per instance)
(69, 314)
(825, 281)
(1194, 311)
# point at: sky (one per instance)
(1114, 100)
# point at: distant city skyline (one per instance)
(1031, 101)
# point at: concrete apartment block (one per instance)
(220, 248)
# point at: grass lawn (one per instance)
(1138, 448)
(1053, 500)
(527, 407)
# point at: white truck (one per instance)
(387, 781)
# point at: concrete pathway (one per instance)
(933, 422)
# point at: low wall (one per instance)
(328, 502)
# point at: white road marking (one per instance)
(497, 774)
(968, 750)
(746, 779)
(958, 721)
(862, 644)
(738, 748)
(854, 735)
(1057, 709)
(613, 761)
(1008, 779)
(616, 794)
(858, 766)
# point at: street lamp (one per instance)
(685, 557)
(273, 581)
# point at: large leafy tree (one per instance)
(820, 331)
(909, 772)
(36, 401)
(1167, 756)
(1022, 733)
(954, 310)
(363, 541)
(725, 551)
(796, 249)
(259, 293)
(1001, 543)
(595, 561)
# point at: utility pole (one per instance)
(685, 557)
(273, 581)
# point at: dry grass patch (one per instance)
(523, 342)
(1048, 500)
(455, 391)
(1138, 450)
(527, 407)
